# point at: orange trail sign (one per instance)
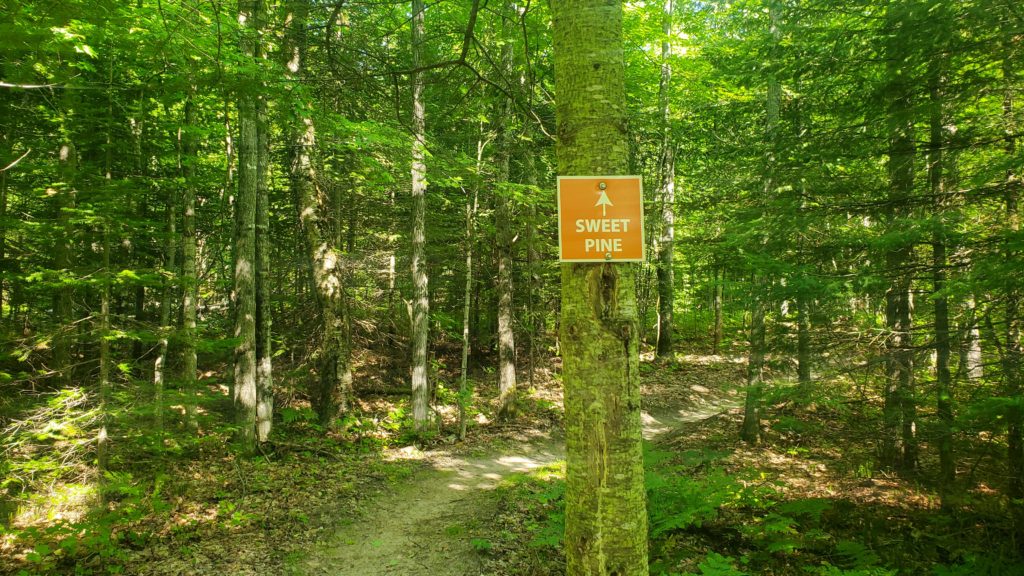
(600, 219)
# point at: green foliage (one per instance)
(50, 443)
(717, 565)
(291, 415)
(677, 502)
(854, 555)
(809, 509)
(551, 530)
(481, 544)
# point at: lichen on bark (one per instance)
(606, 517)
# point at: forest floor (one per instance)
(364, 500)
(440, 520)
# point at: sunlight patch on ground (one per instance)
(710, 359)
(65, 501)
(487, 473)
(657, 423)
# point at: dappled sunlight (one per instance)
(710, 359)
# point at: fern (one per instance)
(855, 555)
(810, 508)
(717, 565)
(681, 502)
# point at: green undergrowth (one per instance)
(706, 518)
(177, 501)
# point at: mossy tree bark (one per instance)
(605, 516)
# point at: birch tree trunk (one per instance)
(970, 352)
(605, 513)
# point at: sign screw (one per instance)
(607, 255)
(602, 186)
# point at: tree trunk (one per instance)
(64, 204)
(899, 443)
(160, 364)
(751, 428)
(716, 338)
(331, 395)
(666, 245)
(189, 276)
(264, 348)
(803, 342)
(421, 297)
(465, 393)
(5, 165)
(535, 317)
(102, 443)
(943, 377)
(137, 129)
(505, 234)
(245, 391)
(1014, 351)
(605, 513)
(970, 352)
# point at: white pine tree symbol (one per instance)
(604, 203)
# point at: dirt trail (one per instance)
(426, 527)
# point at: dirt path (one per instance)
(427, 526)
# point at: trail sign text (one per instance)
(600, 219)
